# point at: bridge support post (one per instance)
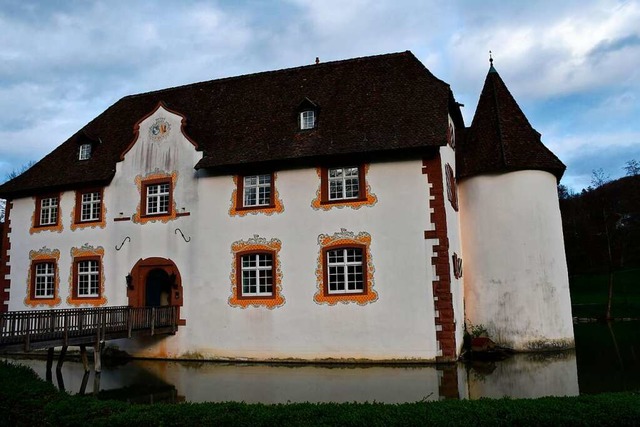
(83, 357)
(63, 353)
(49, 364)
(97, 359)
(96, 383)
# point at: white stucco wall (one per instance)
(515, 271)
(399, 325)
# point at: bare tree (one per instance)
(19, 171)
(632, 167)
(11, 175)
(599, 178)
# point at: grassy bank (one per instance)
(589, 294)
(26, 400)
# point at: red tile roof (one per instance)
(379, 104)
(500, 138)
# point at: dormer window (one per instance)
(307, 119)
(84, 152)
(307, 114)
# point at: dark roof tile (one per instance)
(365, 105)
(500, 138)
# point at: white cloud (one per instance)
(554, 54)
(573, 65)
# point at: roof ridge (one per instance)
(281, 70)
(498, 114)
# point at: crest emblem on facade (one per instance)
(159, 129)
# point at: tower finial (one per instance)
(491, 69)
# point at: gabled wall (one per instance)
(200, 236)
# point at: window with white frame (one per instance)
(344, 183)
(88, 278)
(307, 119)
(256, 271)
(344, 271)
(48, 211)
(90, 206)
(158, 197)
(256, 190)
(84, 153)
(44, 280)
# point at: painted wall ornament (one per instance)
(341, 239)
(159, 129)
(256, 244)
(44, 255)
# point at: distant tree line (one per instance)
(602, 223)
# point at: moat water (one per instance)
(606, 359)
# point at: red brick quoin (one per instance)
(442, 299)
(5, 268)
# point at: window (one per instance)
(344, 183)
(256, 190)
(90, 206)
(157, 201)
(84, 153)
(87, 278)
(47, 211)
(307, 119)
(451, 135)
(457, 265)
(256, 271)
(89, 209)
(256, 277)
(345, 269)
(452, 192)
(255, 194)
(157, 198)
(44, 276)
(345, 273)
(343, 186)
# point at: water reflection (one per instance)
(525, 376)
(606, 359)
(608, 356)
(150, 381)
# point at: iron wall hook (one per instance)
(182, 234)
(122, 244)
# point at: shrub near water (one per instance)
(27, 400)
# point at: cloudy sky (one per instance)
(573, 66)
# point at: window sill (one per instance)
(47, 302)
(93, 301)
(38, 228)
(368, 200)
(88, 224)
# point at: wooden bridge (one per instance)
(40, 329)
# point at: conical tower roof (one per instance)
(500, 138)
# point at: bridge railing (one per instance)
(96, 324)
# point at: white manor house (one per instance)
(336, 211)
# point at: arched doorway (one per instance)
(155, 282)
(157, 288)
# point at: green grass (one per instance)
(26, 400)
(589, 294)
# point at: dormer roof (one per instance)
(500, 138)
